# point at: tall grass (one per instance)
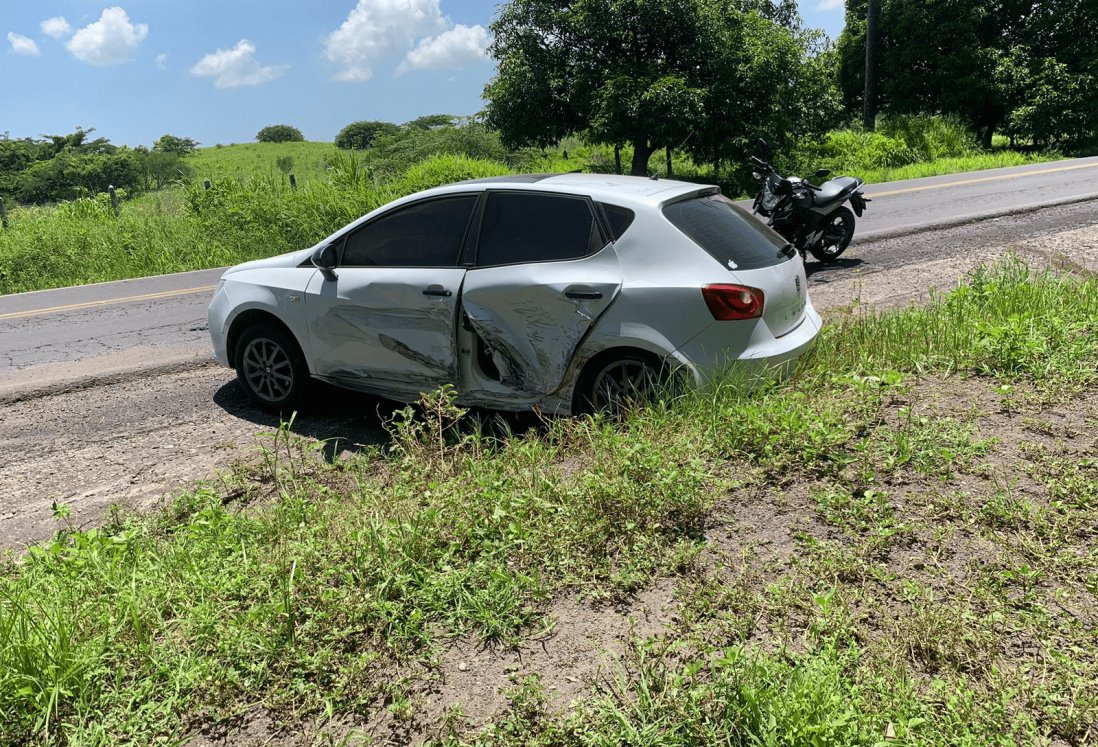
(1006, 322)
(308, 160)
(84, 241)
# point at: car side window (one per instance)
(424, 234)
(520, 227)
(620, 218)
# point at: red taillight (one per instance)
(727, 302)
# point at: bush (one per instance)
(361, 135)
(279, 133)
(394, 154)
(446, 169)
(898, 141)
(931, 136)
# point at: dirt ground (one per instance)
(754, 538)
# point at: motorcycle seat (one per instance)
(836, 188)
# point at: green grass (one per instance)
(193, 228)
(956, 165)
(932, 595)
(308, 161)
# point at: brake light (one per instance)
(728, 302)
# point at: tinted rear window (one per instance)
(727, 232)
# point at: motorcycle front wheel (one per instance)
(837, 232)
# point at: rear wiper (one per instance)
(787, 251)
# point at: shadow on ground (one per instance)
(352, 421)
(342, 419)
(820, 271)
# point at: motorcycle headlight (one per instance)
(769, 200)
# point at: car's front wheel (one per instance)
(271, 368)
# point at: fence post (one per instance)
(3, 214)
(293, 181)
(205, 183)
(114, 198)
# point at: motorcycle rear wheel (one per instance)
(837, 233)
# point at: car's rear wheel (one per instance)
(614, 385)
(837, 232)
(271, 368)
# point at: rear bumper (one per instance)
(708, 356)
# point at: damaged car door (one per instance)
(384, 320)
(544, 273)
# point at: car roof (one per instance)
(602, 187)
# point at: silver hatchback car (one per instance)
(567, 292)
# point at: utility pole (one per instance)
(872, 36)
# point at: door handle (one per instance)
(582, 294)
(436, 290)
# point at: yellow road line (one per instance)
(981, 179)
(107, 301)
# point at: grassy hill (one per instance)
(308, 160)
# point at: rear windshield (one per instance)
(728, 232)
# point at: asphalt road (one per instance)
(53, 339)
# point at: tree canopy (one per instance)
(1024, 67)
(279, 133)
(706, 76)
(361, 135)
(180, 146)
(59, 167)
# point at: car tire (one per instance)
(613, 385)
(271, 368)
(837, 233)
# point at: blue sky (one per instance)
(219, 70)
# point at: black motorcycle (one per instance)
(812, 218)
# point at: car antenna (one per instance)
(655, 177)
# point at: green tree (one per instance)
(431, 122)
(396, 152)
(159, 168)
(279, 133)
(654, 74)
(1023, 66)
(180, 146)
(361, 135)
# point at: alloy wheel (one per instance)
(267, 369)
(621, 384)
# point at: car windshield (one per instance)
(728, 232)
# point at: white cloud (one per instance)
(56, 27)
(458, 47)
(22, 44)
(236, 67)
(829, 4)
(377, 29)
(161, 61)
(109, 41)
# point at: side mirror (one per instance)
(823, 173)
(325, 259)
(764, 148)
